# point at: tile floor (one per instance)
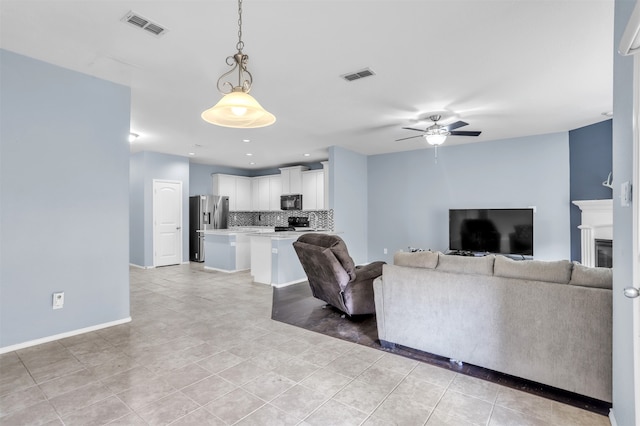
(202, 350)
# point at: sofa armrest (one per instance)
(379, 303)
(369, 271)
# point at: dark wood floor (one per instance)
(296, 306)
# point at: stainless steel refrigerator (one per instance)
(205, 212)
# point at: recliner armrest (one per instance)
(369, 271)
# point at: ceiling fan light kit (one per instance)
(436, 134)
(238, 108)
(435, 138)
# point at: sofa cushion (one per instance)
(558, 271)
(482, 265)
(419, 259)
(591, 277)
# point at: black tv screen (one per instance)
(506, 231)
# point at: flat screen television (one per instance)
(505, 231)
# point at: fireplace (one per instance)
(597, 225)
(604, 253)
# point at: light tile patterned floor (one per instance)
(202, 350)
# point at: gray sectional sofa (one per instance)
(545, 321)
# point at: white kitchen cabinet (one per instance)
(243, 193)
(237, 188)
(292, 179)
(260, 193)
(266, 191)
(313, 190)
(275, 191)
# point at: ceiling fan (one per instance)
(436, 134)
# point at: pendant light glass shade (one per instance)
(238, 109)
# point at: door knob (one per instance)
(631, 292)
(178, 227)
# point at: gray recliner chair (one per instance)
(333, 276)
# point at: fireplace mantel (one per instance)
(597, 224)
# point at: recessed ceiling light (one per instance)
(246, 140)
(133, 136)
(306, 155)
(608, 113)
(252, 163)
(248, 154)
(192, 153)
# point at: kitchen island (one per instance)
(228, 250)
(274, 260)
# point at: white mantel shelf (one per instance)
(597, 224)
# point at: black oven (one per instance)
(291, 202)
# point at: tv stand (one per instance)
(466, 253)
(486, 253)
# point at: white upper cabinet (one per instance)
(266, 192)
(237, 188)
(313, 190)
(275, 191)
(292, 179)
(243, 193)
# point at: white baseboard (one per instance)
(209, 268)
(612, 418)
(48, 339)
(289, 283)
(133, 265)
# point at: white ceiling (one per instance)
(509, 68)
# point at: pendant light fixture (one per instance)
(238, 108)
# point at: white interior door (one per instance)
(167, 222)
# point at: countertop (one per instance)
(236, 230)
(264, 231)
(283, 235)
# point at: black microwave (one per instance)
(291, 202)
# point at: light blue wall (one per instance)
(623, 363)
(348, 198)
(145, 167)
(410, 193)
(64, 216)
(200, 181)
(590, 163)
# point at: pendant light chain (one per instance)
(240, 44)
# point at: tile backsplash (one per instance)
(280, 218)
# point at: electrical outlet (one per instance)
(384, 250)
(58, 300)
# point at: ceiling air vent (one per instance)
(352, 76)
(143, 23)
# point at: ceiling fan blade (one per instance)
(410, 137)
(465, 133)
(417, 130)
(455, 125)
